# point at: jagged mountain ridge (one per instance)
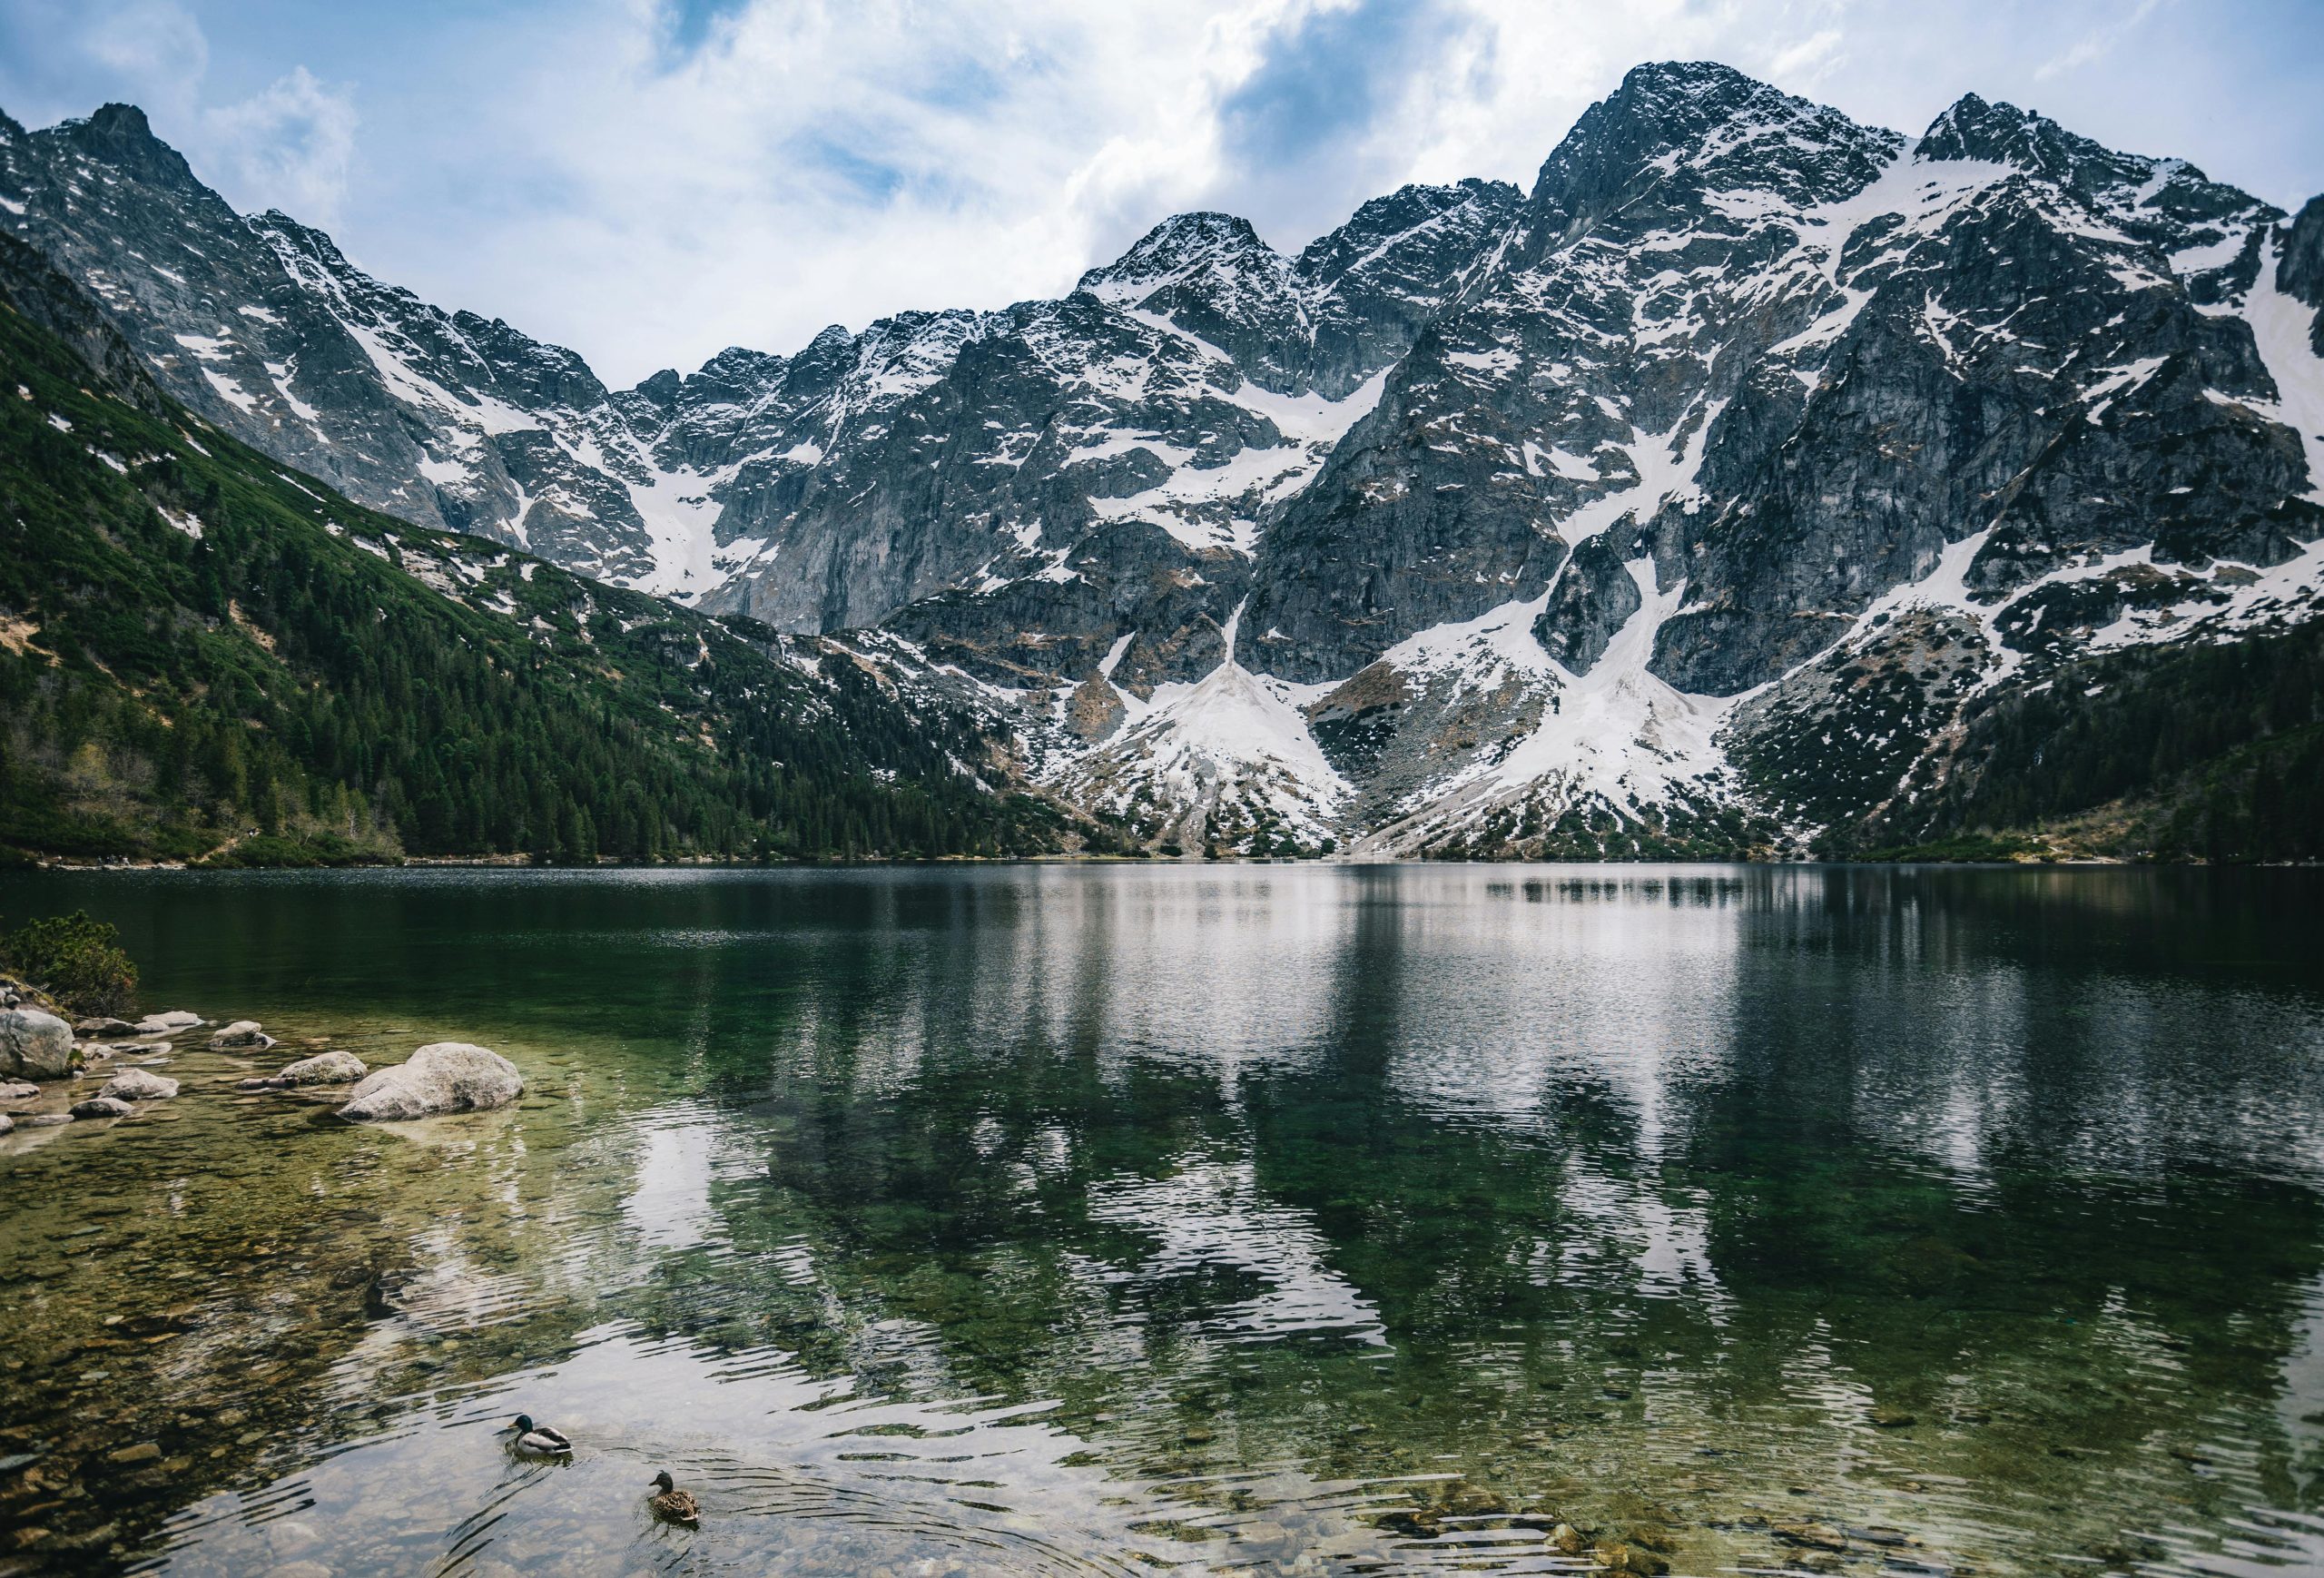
(1488, 515)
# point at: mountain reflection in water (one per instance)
(1260, 1219)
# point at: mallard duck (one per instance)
(672, 1505)
(540, 1440)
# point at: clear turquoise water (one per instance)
(1110, 1219)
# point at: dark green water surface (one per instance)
(1267, 1219)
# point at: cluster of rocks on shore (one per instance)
(37, 1047)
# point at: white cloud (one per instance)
(2094, 43)
(1811, 60)
(154, 45)
(815, 163)
(288, 146)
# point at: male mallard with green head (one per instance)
(539, 1440)
(672, 1505)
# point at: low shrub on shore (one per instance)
(76, 960)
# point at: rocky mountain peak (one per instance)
(1976, 128)
(1180, 246)
(1676, 129)
(661, 389)
(2164, 202)
(735, 376)
(1373, 232)
(121, 136)
(304, 238)
(1212, 276)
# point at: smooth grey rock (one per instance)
(45, 1119)
(7, 1124)
(103, 1107)
(441, 1077)
(14, 1091)
(242, 1033)
(332, 1068)
(35, 1045)
(162, 1025)
(137, 1085)
(103, 1027)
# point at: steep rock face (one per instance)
(1594, 598)
(1191, 385)
(1629, 306)
(199, 294)
(2019, 345)
(2300, 273)
(1394, 267)
(1580, 519)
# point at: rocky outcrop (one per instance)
(2299, 271)
(1595, 597)
(35, 1045)
(441, 1077)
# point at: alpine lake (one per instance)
(1196, 1218)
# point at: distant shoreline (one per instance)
(524, 863)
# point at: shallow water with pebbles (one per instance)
(1260, 1220)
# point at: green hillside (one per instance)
(2205, 753)
(289, 685)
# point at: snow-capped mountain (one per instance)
(1715, 492)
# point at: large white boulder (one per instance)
(138, 1085)
(441, 1077)
(35, 1045)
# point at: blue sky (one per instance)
(649, 181)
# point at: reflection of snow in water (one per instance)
(1219, 970)
(669, 1207)
(1665, 1249)
(1503, 1006)
(1211, 1214)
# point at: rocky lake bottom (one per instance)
(1306, 1219)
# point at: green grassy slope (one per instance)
(290, 686)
